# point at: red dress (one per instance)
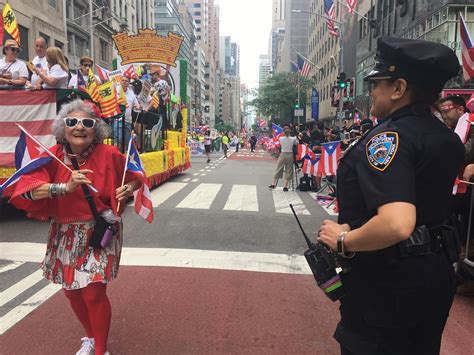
(69, 260)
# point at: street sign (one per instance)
(299, 112)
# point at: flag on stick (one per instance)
(351, 5)
(130, 72)
(103, 73)
(330, 13)
(467, 51)
(143, 201)
(122, 99)
(261, 123)
(29, 156)
(10, 24)
(303, 65)
(91, 86)
(330, 155)
(108, 100)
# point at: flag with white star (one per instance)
(29, 156)
(143, 201)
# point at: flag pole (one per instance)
(302, 56)
(125, 168)
(50, 153)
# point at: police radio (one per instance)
(323, 266)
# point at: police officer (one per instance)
(393, 190)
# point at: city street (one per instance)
(220, 270)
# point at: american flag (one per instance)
(467, 51)
(351, 5)
(303, 66)
(35, 111)
(294, 67)
(143, 201)
(330, 155)
(330, 13)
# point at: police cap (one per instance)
(426, 64)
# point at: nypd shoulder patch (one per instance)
(381, 149)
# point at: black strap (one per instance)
(85, 188)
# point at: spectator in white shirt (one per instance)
(286, 159)
(40, 60)
(57, 73)
(12, 70)
(86, 63)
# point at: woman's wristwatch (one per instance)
(340, 246)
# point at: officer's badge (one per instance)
(381, 149)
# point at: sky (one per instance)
(248, 23)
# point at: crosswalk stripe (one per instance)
(10, 266)
(201, 197)
(164, 192)
(242, 198)
(282, 200)
(20, 287)
(186, 180)
(21, 311)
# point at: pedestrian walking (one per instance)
(207, 145)
(286, 159)
(253, 142)
(53, 192)
(393, 188)
(225, 143)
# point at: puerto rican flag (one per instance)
(277, 132)
(35, 111)
(103, 73)
(143, 201)
(312, 165)
(29, 156)
(467, 51)
(357, 118)
(304, 152)
(262, 123)
(330, 155)
(130, 72)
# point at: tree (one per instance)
(224, 127)
(278, 95)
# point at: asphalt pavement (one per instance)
(220, 270)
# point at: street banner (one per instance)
(314, 104)
(143, 97)
(148, 47)
(196, 147)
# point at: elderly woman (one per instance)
(53, 192)
(12, 70)
(56, 76)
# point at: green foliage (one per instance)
(222, 127)
(279, 94)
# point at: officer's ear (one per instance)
(399, 88)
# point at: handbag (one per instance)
(103, 230)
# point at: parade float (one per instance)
(163, 149)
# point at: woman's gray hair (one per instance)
(101, 128)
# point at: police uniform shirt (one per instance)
(404, 159)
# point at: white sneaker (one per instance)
(87, 347)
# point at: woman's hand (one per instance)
(329, 232)
(78, 177)
(468, 172)
(123, 192)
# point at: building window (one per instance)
(46, 38)
(59, 44)
(197, 13)
(52, 3)
(197, 5)
(104, 50)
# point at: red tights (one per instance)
(92, 307)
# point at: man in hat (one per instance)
(13, 72)
(86, 63)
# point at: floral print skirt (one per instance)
(70, 262)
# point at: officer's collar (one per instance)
(401, 112)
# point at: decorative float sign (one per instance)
(148, 47)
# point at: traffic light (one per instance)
(297, 104)
(342, 80)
